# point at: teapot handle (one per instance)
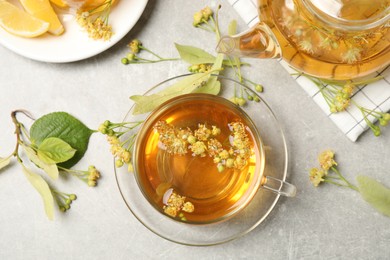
(257, 42)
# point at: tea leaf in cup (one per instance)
(43, 189)
(375, 193)
(50, 168)
(65, 127)
(55, 150)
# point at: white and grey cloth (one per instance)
(351, 122)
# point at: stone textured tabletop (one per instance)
(327, 222)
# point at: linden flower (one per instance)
(113, 140)
(349, 88)
(199, 148)
(341, 102)
(352, 56)
(135, 46)
(178, 146)
(326, 160)
(214, 147)
(97, 29)
(198, 18)
(316, 176)
(306, 46)
(176, 203)
(202, 133)
(199, 68)
(188, 207)
(93, 176)
(207, 12)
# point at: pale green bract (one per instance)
(43, 189)
(232, 29)
(194, 55)
(50, 168)
(187, 85)
(376, 194)
(55, 150)
(4, 162)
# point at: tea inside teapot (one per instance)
(336, 39)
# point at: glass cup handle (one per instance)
(279, 186)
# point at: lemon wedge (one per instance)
(87, 5)
(43, 10)
(60, 3)
(18, 22)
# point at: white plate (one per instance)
(75, 44)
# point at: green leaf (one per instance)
(376, 194)
(194, 55)
(43, 188)
(65, 127)
(50, 168)
(4, 162)
(213, 85)
(187, 85)
(54, 150)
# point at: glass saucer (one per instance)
(245, 220)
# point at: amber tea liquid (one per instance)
(329, 51)
(215, 195)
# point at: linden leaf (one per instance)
(187, 85)
(194, 55)
(55, 150)
(43, 189)
(376, 194)
(4, 162)
(65, 127)
(50, 168)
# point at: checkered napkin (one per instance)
(351, 122)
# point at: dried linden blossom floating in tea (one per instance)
(203, 141)
(315, 39)
(176, 203)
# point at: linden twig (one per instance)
(349, 185)
(62, 199)
(90, 177)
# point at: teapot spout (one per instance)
(258, 42)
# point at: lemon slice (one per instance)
(60, 3)
(43, 10)
(20, 23)
(87, 5)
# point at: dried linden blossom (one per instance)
(326, 160)
(97, 29)
(203, 142)
(176, 204)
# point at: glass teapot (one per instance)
(332, 39)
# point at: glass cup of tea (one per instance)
(204, 167)
(199, 159)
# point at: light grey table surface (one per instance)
(320, 223)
